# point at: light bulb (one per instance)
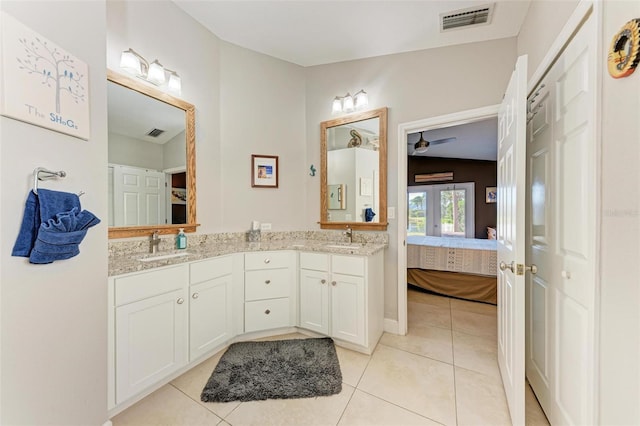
(361, 99)
(156, 73)
(175, 83)
(337, 106)
(130, 62)
(347, 103)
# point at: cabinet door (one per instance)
(211, 315)
(314, 298)
(151, 341)
(347, 308)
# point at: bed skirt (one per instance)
(465, 286)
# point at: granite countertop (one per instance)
(129, 262)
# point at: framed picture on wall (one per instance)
(492, 194)
(264, 171)
(178, 196)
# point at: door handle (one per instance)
(504, 266)
(533, 268)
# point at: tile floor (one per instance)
(444, 371)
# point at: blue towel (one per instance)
(52, 227)
(368, 214)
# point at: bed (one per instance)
(458, 267)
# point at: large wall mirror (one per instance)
(354, 171)
(151, 160)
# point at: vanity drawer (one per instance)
(210, 269)
(266, 314)
(267, 260)
(150, 283)
(348, 265)
(314, 261)
(268, 284)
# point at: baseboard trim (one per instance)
(391, 326)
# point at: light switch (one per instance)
(391, 212)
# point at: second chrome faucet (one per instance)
(155, 241)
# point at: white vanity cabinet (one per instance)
(210, 304)
(269, 290)
(151, 328)
(342, 296)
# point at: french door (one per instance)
(441, 210)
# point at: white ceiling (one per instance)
(313, 32)
(133, 114)
(476, 141)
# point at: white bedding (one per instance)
(468, 255)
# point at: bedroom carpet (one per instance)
(281, 369)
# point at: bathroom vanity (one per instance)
(168, 315)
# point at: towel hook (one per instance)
(40, 173)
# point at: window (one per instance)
(441, 210)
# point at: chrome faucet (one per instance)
(155, 241)
(349, 233)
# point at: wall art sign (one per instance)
(264, 171)
(41, 83)
(624, 52)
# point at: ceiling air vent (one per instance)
(154, 133)
(466, 17)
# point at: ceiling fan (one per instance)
(422, 145)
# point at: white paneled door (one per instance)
(561, 236)
(138, 196)
(511, 240)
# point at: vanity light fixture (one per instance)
(348, 103)
(154, 73)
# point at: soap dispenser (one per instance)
(181, 239)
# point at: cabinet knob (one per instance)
(333, 283)
(267, 282)
(180, 301)
(267, 261)
(323, 281)
(267, 312)
(195, 295)
(566, 274)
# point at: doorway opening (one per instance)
(404, 149)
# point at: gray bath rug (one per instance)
(253, 371)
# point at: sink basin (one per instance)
(345, 246)
(163, 257)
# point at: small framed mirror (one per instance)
(353, 174)
(151, 161)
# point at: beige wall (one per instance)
(262, 104)
(53, 317)
(414, 86)
(135, 152)
(162, 30)
(540, 28)
(620, 233)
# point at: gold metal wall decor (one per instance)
(624, 52)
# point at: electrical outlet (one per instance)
(391, 212)
(265, 227)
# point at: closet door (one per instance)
(562, 235)
(540, 241)
(573, 78)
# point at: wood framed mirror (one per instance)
(353, 178)
(152, 160)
